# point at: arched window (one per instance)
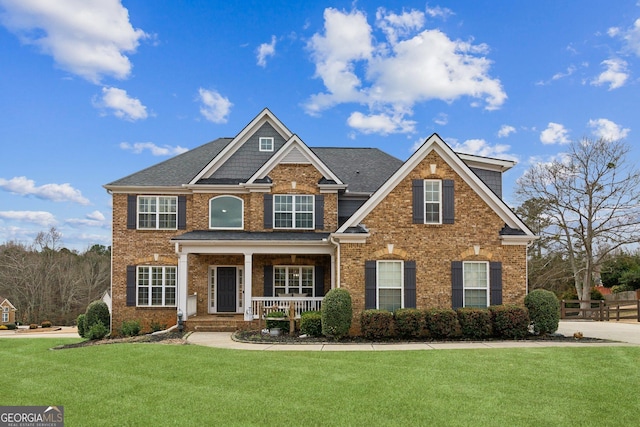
(226, 212)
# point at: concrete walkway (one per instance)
(625, 333)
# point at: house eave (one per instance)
(140, 189)
(517, 240)
(351, 237)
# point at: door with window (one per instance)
(225, 289)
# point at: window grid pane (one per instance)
(156, 286)
(293, 280)
(293, 211)
(476, 284)
(157, 212)
(432, 201)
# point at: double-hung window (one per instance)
(156, 286)
(293, 211)
(432, 201)
(157, 212)
(293, 280)
(476, 284)
(5, 314)
(389, 281)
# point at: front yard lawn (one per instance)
(166, 385)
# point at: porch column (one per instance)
(333, 271)
(248, 277)
(183, 267)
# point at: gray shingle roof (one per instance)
(177, 170)
(251, 235)
(363, 169)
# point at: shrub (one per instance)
(130, 328)
(311, 323)
(155, 327)
(46, 324)
(97, 311)
(282, 324)
(475, 322)
(544, 311)
(3, 327)
(509, 321)
(81, 321)
(409, 322)
(97, 331)
(11, 326)
(33, 326)
(377, 324)
(616, 289)
(442, 323)
(572, 294)
(336, 313)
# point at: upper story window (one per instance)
(476, 284)
(293, 211)
(266, 143)
(157, 212)
(432, 201)
(226, 212)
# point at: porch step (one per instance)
(217, 323)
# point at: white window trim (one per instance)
(486, 288)
(287, 286)
(424, 195)
(241, 213)
(157, 213)
(378, 262)
(269, 147)
(212, 307)
(5, 316)
(164, 285)
(294, 213)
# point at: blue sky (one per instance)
(93, 90)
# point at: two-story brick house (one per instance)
(262, 220)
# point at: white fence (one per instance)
(264, 305)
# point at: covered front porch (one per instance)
(249, 274)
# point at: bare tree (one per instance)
(590, 205)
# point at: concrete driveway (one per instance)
(628, 332)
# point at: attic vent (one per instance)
(295, 156)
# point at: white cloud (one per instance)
(441, 119)
(55, 192)
(570, 70)
(407, 67)
(123, 106)
(166, 150)
(505, 131)
(45, 219)
(88, 38)
(606, 129)
(438, 11)
(383, 124)
(93, 219)
(615, 74)
(215, 107)
(266, 50)
(480, 147)
(555, 133)
(630, 36)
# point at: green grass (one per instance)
(159, 385)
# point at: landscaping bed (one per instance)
(175, 338)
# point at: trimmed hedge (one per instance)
(409, 322)
(544, 311)
(11, 326)
(97, 331)
(510, 321)
(130, 328)
(377, 324)
(46, 324)
(442, 323)
(97, 311)
(311, 323)
(82, 325)
(475, 323)
(336, 313)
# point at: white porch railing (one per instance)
(192, 305)
(261, 305)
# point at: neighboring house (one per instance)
(8, 311)
(263, 220)
(106, 298)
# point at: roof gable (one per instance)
(435, 143)
(249, 131)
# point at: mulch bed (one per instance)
(174, 338)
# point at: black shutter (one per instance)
(457, 285)
(131, 285)
(409, 284)
(418, 201)
(182, 212)
(319, 281)
(495, 283)
(448, 205)
(268, 280)
(319, 220)
(132, 211)
(369, 285)
(268, 211)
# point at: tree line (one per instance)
(46, 281)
